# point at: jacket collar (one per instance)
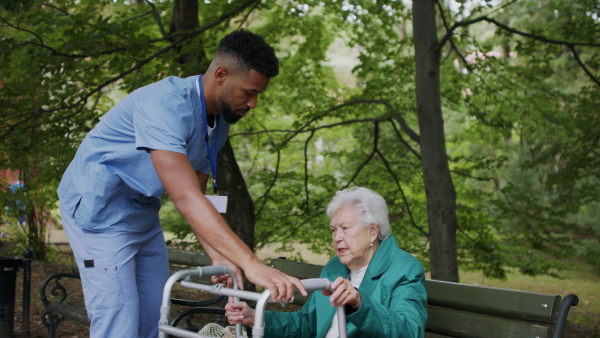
(380, 262)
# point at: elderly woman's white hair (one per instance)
(368, 203)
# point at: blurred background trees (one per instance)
(518, 91)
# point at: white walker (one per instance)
(261, 300)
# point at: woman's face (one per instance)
(351, 239)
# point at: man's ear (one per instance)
(221, 75)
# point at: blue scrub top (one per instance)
(111, 184)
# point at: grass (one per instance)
(580, 279)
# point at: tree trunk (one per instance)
(185, 17)
(240, 209)
(441, 196)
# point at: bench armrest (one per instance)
(57, 290)
(563, 312)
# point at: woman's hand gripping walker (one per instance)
(261, 300)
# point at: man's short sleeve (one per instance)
(163, 122)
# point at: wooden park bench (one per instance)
(455, 310)
(460, 310)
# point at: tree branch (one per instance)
(291, 232)
(442, 15)
(512, 30)
(513, 207)
(470, 69)
(471, 176)
(404, 142)
(80, 104)
(585, 69)
(248, 14)
(57, 8)
(537, 37)
(157, 18)
(306, 142)
(408, 209)
(258, 148)
(309, 130)
(404, 126)
(166, 37)
(265, 196)
(138, 16)
(369, 158)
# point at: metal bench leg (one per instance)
(51, 321)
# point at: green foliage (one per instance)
(16, 6)
(173, 223)
(298, 194)
(66, 62)
(520, 113)
(511, 213)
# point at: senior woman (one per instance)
(381, 286)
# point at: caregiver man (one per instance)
(162, 137)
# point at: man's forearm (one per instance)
(184, 187)
(212, 253)
(214, 234)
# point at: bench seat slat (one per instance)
(456, 323)
(493, 301)
(74, 311)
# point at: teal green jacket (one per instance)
(394, 301)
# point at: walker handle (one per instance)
(313, 284)
(213, 270)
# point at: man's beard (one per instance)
(228, 114)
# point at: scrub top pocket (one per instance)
(95, 209)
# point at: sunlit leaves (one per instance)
(520, 113)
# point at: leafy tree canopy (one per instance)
(520, 93)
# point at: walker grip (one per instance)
(313, 284)
(213, 270)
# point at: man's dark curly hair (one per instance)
(250, 51)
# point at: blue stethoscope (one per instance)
(212, 156)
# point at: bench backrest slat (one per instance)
(297, 269)
(188, 258)
(455, 323)
(493, 301)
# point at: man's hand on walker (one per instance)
(280, 284)
(226, 279)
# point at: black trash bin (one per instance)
(8, 280)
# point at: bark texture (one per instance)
(185, 18)
(240, 209)
(441, 196)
